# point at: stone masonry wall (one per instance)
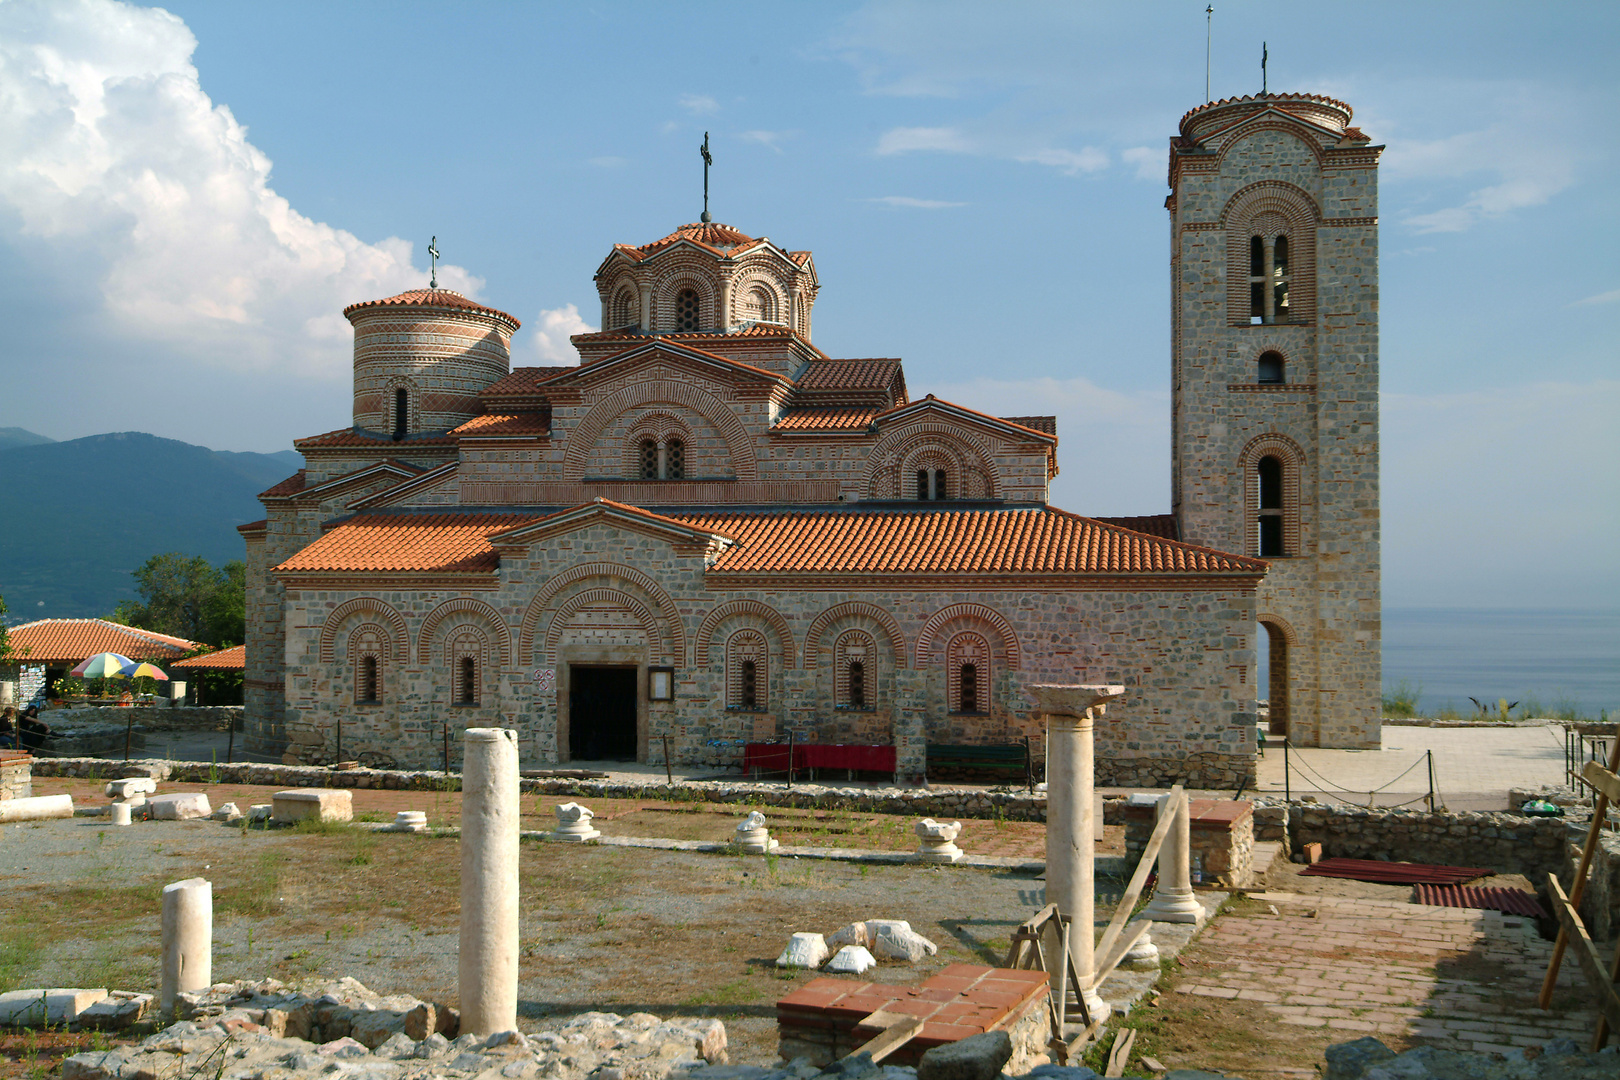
(1506, 843)
(16, 776)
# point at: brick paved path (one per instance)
(1452, 977)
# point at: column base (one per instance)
(1175, 909)
(1142, 956)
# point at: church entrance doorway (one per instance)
(601, 713)
(1275, 676)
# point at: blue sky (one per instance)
(190, 195)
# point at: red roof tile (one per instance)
(1046, 425)
(831, 418)
(528, 423)
(443, 543)
(711, 234)
(431, 298)
(525, 380)
(54, 641)
(356, 437)
(254, 526)
(290, 486)
(1264, 99)
(232, 659)
(753, 330)
(872, 374)
(1153, 524)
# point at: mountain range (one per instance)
(79, 516)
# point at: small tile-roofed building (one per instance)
(711, 532)
(47, 649)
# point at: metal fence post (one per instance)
(1288, 791)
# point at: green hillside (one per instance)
(16, 436)
(81, 515)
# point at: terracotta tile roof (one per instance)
(355, 437)
(253, 526)
(1046, 425)
(525, 380)
(290, 486)
(711, 234)
(1280, 100)
(1153, 524)
(831, 418)
(72, 640)
(526, 423)
(915, 406)
(758, 329)
(873, 374)
(1032, 541)
(232, 659)
(442, 543)
(431, 298)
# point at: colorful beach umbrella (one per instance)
(143, 670)
(104, 665)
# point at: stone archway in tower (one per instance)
(1278, 648)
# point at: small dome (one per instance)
(431, 298)
(708, 233)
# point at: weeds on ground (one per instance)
(1402, 699)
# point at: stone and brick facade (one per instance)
(787, 541)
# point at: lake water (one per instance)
(1554, 656)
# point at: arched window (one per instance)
(967, 669)
(1268, 279)
(922, 484)
(467, 681)
(750, 685)
(968, 679)
(648, 459)
(853, 686)
(626, 309)
(940, 491)
(367, 683)
(1270, 510)
(1271, 367)
(932, 484)
(857, 684)
(686, 310)
(745, 671)
(402, 401)
(674, 460)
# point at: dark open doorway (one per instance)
(602, 713)
(1274, 677)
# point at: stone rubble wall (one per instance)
(16, 778)
(1225, 850)
(156, 718)
(1506, 843)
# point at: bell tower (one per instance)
(1274, 386)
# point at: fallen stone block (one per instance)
(181, 806)
(312, 804)
(873, 926)
(852, 960)
(38, 808)
(35, 1008)
(260, 811)
(117, 1010)
(853, 934)
(804, 951)
(132, 789)
(895, 943)
(228, 812)
(977, 1057)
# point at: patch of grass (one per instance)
(736, 992)
(1401, 700)
(19, 956)
(256, 889)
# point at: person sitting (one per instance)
(32, 730)
(8, 728)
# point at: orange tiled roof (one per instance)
(54, 641)
(831, 418)
(442, 543)
(524, 380)
(356, 437)
(253, 526)
(1046, 425)
(758, 329)
(711, 234)
(433, 298)
(1153, 524)
(527, 423)
(290, 486)
(873, 374)
(1032, 541)
(232, 659)
(1262, 99)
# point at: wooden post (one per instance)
(129, 729)
(669, 777)
(1602, 982)
(1600, 810)
(230, 741)
(447, 748)
(790, 757)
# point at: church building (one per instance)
(710, 532)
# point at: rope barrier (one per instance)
(1357, 791)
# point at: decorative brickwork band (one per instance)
(772, 617)
(583, 438)
(616, 575)
(486, 615)
(854, 609)
(398, 634)
(947, 622)
(1271, 208)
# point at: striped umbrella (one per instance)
(104, 665)
(143, 670)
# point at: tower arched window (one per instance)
(674, 459)
(746, 670)
(686, 310)
(1271, 367)
(402, 403)
(368, 682)
(1268, 278)
(1270, 511)
(854, 686)
(648, 459)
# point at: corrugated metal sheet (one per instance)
(1509, 901)
(1395, 873)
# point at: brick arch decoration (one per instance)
(582, 440)
(883, 464)
(668, 285)
(772, 617)
(649, 622)
(1279, 623)
(658, 426)
(1257, 351)
(854, 608)
(1301, 134)
(946, 622)
(390, 618)
(624, 303)
(1293, 458)
(760, 277)
(460, 605)
(1242, 212)
(626, 574)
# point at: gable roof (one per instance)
(1046, 425)
(604, 509)
(666, 346)
(528, 424)
(231, 659)
(441, 543)
(1153, 524)
(839, 418)
(52, 641)
(524, 380)
(962, 412)
(859, 374)
(358, 437)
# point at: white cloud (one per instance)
(699, 104)
(915, 204)
(111, 151)
(904, 140)
(1086, 160)
(552, 331)
(1150, 163)
(765, 138)
(1610, 297)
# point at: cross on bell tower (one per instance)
(707, 161)
(433, 258)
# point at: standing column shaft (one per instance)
(188, 940)
(489, 881)
(1071, 830)
(1173, 898)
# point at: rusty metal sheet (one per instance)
(1395, 873)
(1508, 901)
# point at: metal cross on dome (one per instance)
(707, 161)
(433, 256)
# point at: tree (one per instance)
(185, 596)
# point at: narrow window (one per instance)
(1271, 367)
(970, 688)
(675, 460)
(401, 403)
(1279, 280)
(750, 686)
(467, 681)
(857, 685)
(922, 484)
(1257, 280)
(939, 485)
(1270, 470)
(686, 310)
(649, 459)
(368, 690)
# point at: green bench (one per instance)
(1010, 760)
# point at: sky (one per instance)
(190, 195)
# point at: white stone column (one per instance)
(1071, 826)
(188, 940)
(489, 881)
(646, 309)
(1173, 899)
